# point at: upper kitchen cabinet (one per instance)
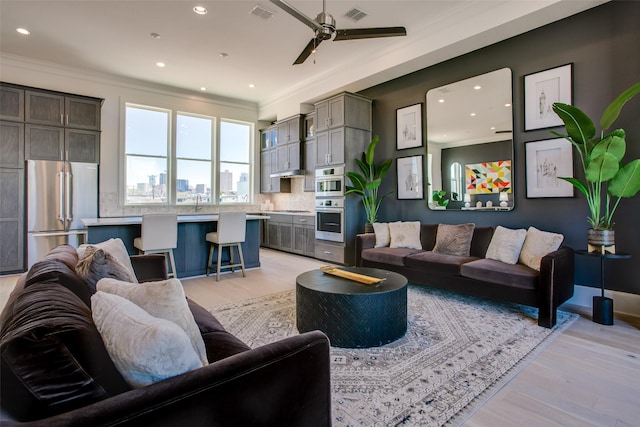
(11, 103)
(346, 109)
(55, 109)
(290, 130)
(11, 144)
(268, 138)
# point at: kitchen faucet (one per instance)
(198, 207)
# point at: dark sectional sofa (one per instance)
(474, 274)
(56, 371)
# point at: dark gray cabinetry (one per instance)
(62, 110)
(330, 147)
(288, 150)
(11, 196)
(288, 157)
(309, 164)
(290, 129)
(268, 138)
(346, 109)
(269, 165)
(11, 103)
(290, 233)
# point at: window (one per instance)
(185, 167)
(146, 151)
(235, 161)
(194, 138)
(456, 181)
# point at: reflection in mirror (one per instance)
(470, 142)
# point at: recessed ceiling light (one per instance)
(200, 10)
(203, 88)
(23, 31)
(440, 101)
(507, 105)
(477, 87)
(251, 85)
(472, 114)
(161, 64)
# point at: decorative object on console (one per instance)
(478, 204)
(467, 200)
(410, 180)
(409, 127)
(546, 162)
(489, 204)
(601, 158)
(366, 185)
(504, 199)
(541, 90)
(488, 177)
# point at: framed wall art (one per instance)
(410, 180)
(546, 161)
(541, 90)
(409, 127)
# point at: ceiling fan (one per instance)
(324, 27)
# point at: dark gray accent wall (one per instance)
(602, 43)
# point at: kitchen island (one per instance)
(192, 252)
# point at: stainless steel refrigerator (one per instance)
(59, 196)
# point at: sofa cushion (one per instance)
(489, 270)
(536, 245)
(115, 248)
(220, 344)
(57, 271)
(506, 244)
(481, 240)
(381, 230)
(52, 357)
(436, 262)
(164, 299)
(392, 256)
(454, 239)
(405, 234)
(145, 349)
(96, 264)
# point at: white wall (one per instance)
(115, 92)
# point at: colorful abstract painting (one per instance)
(488, 177)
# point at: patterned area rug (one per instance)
(458, 351)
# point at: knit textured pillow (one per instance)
(506, 244)
(454, 239)
(96, 264)
(536, 245)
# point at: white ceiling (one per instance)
(113, 37)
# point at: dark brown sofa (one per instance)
(476, 275)
(54, 371)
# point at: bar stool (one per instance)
(231, 232)
(159, 236)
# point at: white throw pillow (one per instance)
(536, 245)
(115, 248)
(506, 244)
(405, 235)
(145, 349)
(381, 230)
(164, 299)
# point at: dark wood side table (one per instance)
(603, 306)
(353, 315)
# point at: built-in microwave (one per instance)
(330, 182)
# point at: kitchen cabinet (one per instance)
(310, 164)
(304, 235)
(12, 235)
(55, 143)
(269, 165)
(330, 147)
(268, 138)
(11, 103)
(11, 144)
(50, 108)
(288, 156)
(290, 129)
(346, 109)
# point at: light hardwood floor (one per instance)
(588, 376)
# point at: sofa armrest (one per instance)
(285, 383)
(363, 241)
(557, 271)
(149, 268)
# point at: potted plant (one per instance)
(606, 179)
(366, 185)
(440, 199)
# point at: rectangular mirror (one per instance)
(470, 144)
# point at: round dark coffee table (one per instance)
(352, 314)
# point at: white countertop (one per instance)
(131, 220)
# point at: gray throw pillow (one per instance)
(96, 264)
(506, 244)
(454, 239)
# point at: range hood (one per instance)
(293, 173)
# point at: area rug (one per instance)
(457, 352)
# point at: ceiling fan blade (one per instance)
(368, 33)
(297, 14)
(308, 50)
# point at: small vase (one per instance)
(601, 240)
(368, 228)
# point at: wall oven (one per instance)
(330, 182)
(330, 219)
